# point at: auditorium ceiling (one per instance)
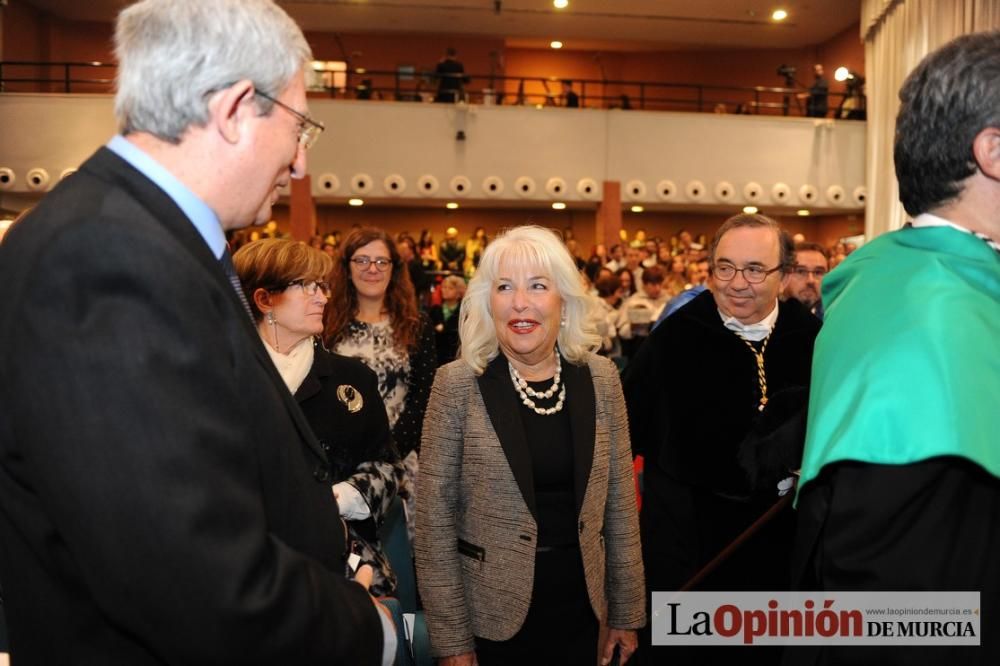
(612, 25)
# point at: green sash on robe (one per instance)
(907, 365)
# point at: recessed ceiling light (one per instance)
(802, 212)
(356, 202)
(779, 15)
(560, 4)
(637, 209)
(556, 44)
(749, 210)
(451, 205)
(559, 205)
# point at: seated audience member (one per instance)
(474, 251)
(601, 253)
(696, 273)
(616, 258)
(675, 278)
(446, 318)
(428, 251)
(627, 281)
(652, 255)
(451, 253)
(806, 276)
(640, 310)
(285, 284)
(609, 290)
(580, 262)
(418, 276)
(633, 262)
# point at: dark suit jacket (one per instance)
(357, 444)
(451, 80)
(475, 487)
(446, 339)
(162, 500)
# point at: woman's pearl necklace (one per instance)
(524, 390)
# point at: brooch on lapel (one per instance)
(349, 395)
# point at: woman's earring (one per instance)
(274, 328)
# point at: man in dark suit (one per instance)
(162, 499)
(451, 77)
(817, 99)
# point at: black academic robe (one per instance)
(712, 460)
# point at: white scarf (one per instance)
(293, 366)
(752, 332)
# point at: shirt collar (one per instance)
(197, 211)
(930, 220)
(752, 332)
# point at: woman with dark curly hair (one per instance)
(373, 316)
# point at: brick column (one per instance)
(302, 209)
(609, 215)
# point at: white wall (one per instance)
(413, 140)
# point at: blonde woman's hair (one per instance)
(538, 248)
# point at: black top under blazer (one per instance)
(475, 487)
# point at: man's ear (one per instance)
(230, 108)
(986, 151)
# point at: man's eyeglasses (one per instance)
(310, 287)
(803, 272)
(309, 129)
(363, 262)
(752, 274)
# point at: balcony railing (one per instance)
(410, 86)
(63, 77)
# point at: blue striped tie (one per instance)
(234, 279)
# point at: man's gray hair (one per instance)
(172, 54)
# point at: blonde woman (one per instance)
(527, 530)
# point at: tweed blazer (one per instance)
(476, 529)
